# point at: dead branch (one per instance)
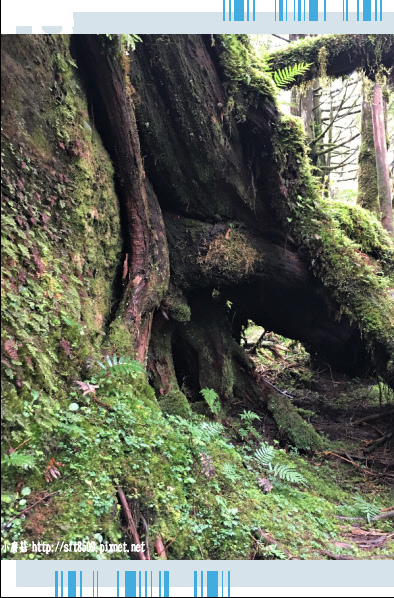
(387, 515)
(369, 418)
(131, 528)
(338, 557)
(379, 442)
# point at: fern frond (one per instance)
(211, 429)
(19, 460)
(284, 77)
(367, 509)
(265, 455)
(230, 472)
(288, 474)
(123, 365)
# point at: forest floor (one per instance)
(356, 417)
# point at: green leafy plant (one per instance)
(249, 417)
(366, 509)
(18, 460)
(287, 75)
(122, 367)
(212, 399)
(230, 472)
(266, 454)
(128, 40)
(211, 429)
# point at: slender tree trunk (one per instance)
(382, 168)
(368, 196)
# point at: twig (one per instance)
(172, 541)
(31, 506)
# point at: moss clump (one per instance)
(301, 434)
(179, 308)
(175, 402)
(229, 255)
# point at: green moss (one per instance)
(358, 51)
(333, 239)
(301, 434)
(174, 402)
(248, 81)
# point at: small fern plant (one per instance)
(366, 509)
(124, 366)
(283, 77)
(266, 455)
(211, 430)
(212, 399)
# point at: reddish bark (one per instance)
(159, 547)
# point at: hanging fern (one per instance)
(123, 366)
(285, 76)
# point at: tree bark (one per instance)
(382, 166)
(368, 196)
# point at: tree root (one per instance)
(160, 549)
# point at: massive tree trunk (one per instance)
(220, 196)
(218, 205)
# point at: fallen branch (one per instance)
(379, 442)
(31, 507)
(386, 515)
(372, 417)
(131, 528)
(338, 557)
